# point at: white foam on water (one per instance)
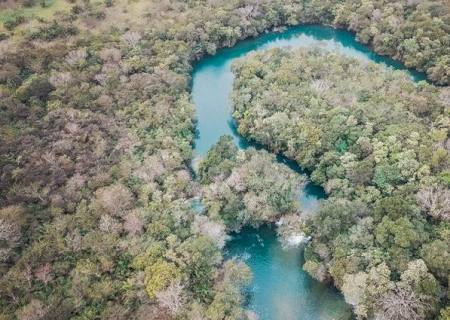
(296, 239)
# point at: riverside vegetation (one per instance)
(379, 145)
(96, 132)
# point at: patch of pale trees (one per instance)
(253, 189)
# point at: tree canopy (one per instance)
(379, 145)
(96, 134)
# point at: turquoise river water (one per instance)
(280, 289)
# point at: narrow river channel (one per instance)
(280, 289)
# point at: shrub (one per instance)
(36, 86)
(13, 21)
(29, 3)
(54, 30)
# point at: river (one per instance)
(280, 289)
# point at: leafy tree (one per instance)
(159, 276)
(219, 160)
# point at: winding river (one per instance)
(280, 289)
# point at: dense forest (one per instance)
(246, 187)
(96, 186)
(379, 145)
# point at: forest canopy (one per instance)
(96, 141)
(247, 187)
(379, 145)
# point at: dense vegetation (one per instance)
(379, 144)
(412, 31)
(246, 187)
(415, 32)
(96, 129)
(96, 219)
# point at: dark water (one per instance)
(280, 290)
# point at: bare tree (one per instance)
(10, 235)
(172, 297)
(28, 274)
(402, 304)
(115, 199)
(211, 229)
(111, 55)
(105, 101)
(320, 85)
(74, 241)
(435, 201)
(237, 180)
(131, 38)
(76, 57)
(44, 273)
(152, 168)
(60, 79)
(109, 224)
(133, 223)
(445, 94)
(9, 232)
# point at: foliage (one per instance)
(13, 21)
(160, 274)
(246, 187)
(96, 132)
(374, 144)
(219, 160)
(411, 31)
